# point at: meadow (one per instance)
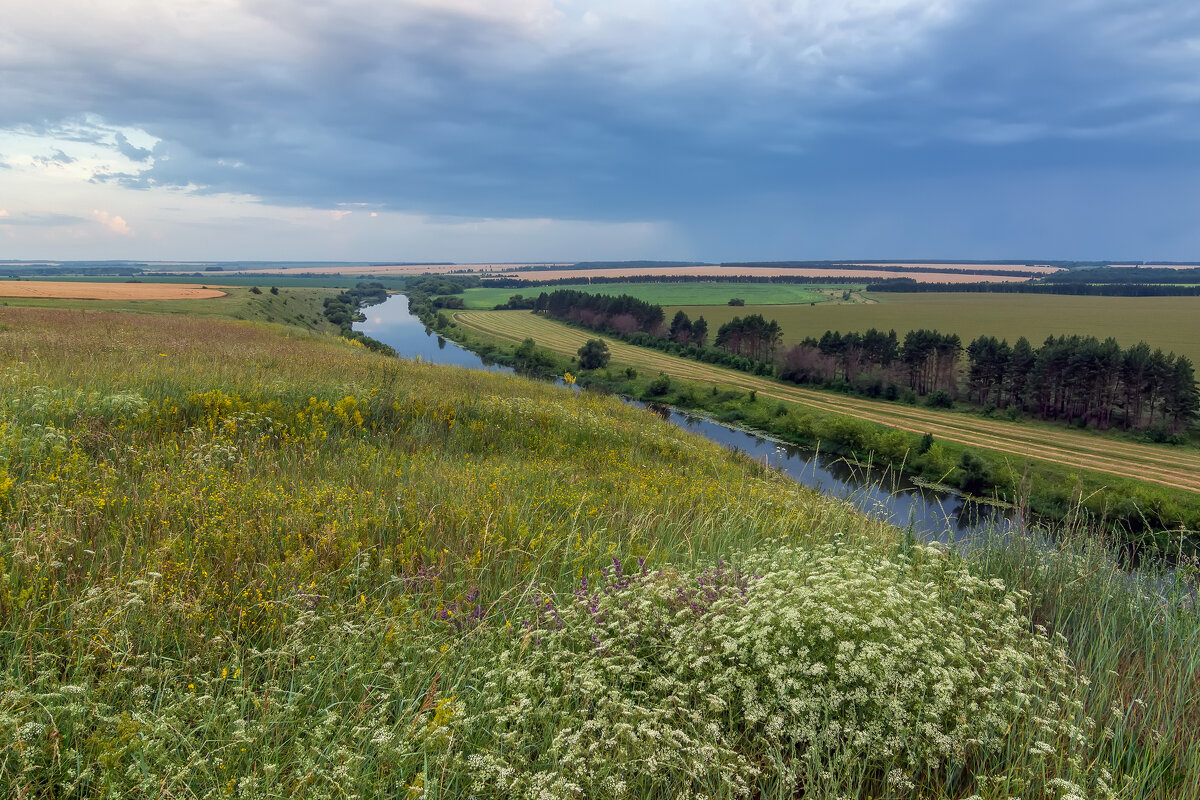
(1166, 322)
(486, 297)
(244, 560)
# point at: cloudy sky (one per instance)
(508, 130)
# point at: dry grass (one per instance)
(71, 290)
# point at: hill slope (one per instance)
(238, 562)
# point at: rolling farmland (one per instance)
(849, 273)
(1172, 323)
(1168, 467)
(700, 294)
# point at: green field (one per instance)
(689, 293)
(1172, 323)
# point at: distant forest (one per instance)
(910, 286)
(1106, 281)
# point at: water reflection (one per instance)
(930, 514)
(391, 323)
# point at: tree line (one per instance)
(1078, 379)
(623, 314)
(910, 286)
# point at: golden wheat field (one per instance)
(72, 290)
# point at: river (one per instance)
(929, 514)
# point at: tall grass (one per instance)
(235, 562)
(1136, 636)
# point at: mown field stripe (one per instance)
(1144, 462)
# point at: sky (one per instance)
(562, 130)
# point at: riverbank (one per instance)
(939, 447)
(930, 513)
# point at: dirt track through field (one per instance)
(70, 290)
(1166, 466)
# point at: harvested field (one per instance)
(1178, 469)
(847, 273)
(1043, 269)
(69, 290)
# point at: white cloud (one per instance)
(114, 223)
(82, 149)
(3, 213)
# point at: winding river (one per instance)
(929, 514)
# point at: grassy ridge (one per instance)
(1166, 322)
(238, 562)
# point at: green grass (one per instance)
(689, 293)
(242, 560)
(1166, 322)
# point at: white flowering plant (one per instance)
(824, 669)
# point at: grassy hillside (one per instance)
(238, 562)
(1166, 322)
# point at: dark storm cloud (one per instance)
(459, 109)
(131, 152)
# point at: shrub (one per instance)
(594, 354)
(974, 473)
(660, 385)
(939, 399)
(938, 463)
(801, 669)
